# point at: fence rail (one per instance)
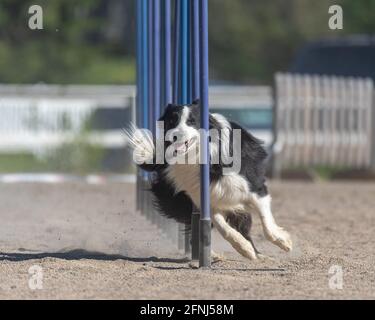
(323, 120)
(35, 118)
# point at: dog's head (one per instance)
(181, 127)
(179, 132)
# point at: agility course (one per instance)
(96, 236)
(156, 88)
(122, 256)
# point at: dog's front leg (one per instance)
(236, 239)
(272, 231)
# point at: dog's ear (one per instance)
(196, 102)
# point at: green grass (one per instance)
(322, 172)
(77, 158)
(114, 71)
(21, 162)
(328, 172)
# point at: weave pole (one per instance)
(142, 90)
(181, 67)
(156, 88)
(195, 54)
(139, 98)
(205, 220)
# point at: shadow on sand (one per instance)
(78, 254)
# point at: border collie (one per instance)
(235, 192)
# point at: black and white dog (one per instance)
(235, 193)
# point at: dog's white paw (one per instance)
(217, 257)
(263, 258)
(281, 238)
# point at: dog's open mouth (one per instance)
(185, 146)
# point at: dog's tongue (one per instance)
(180, 146)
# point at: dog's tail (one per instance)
(138, 137)
(141, 142)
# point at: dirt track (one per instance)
(56, 227)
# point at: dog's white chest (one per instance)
(228, 193)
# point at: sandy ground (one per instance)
(90, 244)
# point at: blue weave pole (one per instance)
(195, 49)
(150, 38)
(195, 92)
(139, 90)
(145, 67)
(139, 63)
(156, 87)
(205, 222)
(184, 52)
(166, 53)
(176, 56)
(144, 90)
(156, 64)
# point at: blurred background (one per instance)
(66, 91)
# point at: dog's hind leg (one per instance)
(242, 222)
(235, 238)
(272, 231)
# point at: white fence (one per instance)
(240, 96)
(323, 120)
(35, 118)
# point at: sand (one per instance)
(91, 244)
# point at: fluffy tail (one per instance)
(141, 142)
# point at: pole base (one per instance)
(205, 244)
(195, 218)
